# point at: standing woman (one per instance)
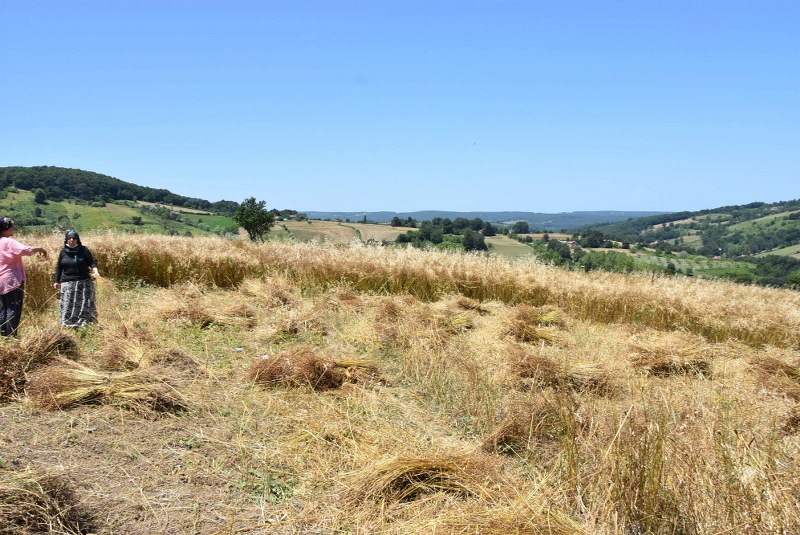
(12, 276)
(75, 269)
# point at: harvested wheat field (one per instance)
(311, 388)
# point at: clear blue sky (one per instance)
(403, 105)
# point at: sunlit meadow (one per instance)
(232, 387)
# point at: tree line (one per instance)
(59, 183)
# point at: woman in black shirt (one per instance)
(75, 270)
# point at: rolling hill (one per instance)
(558, 221)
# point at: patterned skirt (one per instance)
(77, 303)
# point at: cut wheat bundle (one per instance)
(672, 354)
(34, 502)
(298, 367)
(776, 375)
(528, 424)
(529, 324)
(66, 384)
(404, 479)
(39, 345)
(36, 349)
(535, 372)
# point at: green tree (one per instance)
(253, 217)
(473, 241)
(40, 197)
(520, 227)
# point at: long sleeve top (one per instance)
(12, 272)
(74, 263)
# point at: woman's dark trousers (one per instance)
(11, 311)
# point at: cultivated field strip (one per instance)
(290, 388)
(715, 310)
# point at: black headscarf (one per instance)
(69, 233)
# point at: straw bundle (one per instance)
(39, 345)
(123, 354)
(273, 292)
(39, 503)
(792, 425)
(404, 479)
(240, 314)
(537, 372)
(529, 324)
(310, 320)
(346, 298)
(68, 383)
(465, 303)
(188, 314)
(297, 368)
(774, 374)
(526, 425)
(536, 369)
(35, 350)
(360, 371)
(675, 354)
(458, 322)
(590, 378)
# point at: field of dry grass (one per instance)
(306, 388)
(330, 231)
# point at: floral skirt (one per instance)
(77, 303)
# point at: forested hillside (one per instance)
(730, 230)
(59, 183)
(752, 243)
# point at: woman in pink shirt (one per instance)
(12, 276)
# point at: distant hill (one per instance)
(563, 220)
(731, 231)
(60, 183)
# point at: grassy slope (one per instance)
(602, 421)
(341, 232)
(793, 251)
(506, 247)
(83, 217)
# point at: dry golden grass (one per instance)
(528, 424)
(434, 419)
(751, 314)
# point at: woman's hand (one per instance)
(41, 251)
(56, 285)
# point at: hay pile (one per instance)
(535, 372)
(310, 320)
(778, 376)
(405, 479)
(298, 367)
(672, 355)
(186, 314)
(528, 425)
(66, 384)
(465, 303)
(33, 502)
(36, 349)
(529, 324)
